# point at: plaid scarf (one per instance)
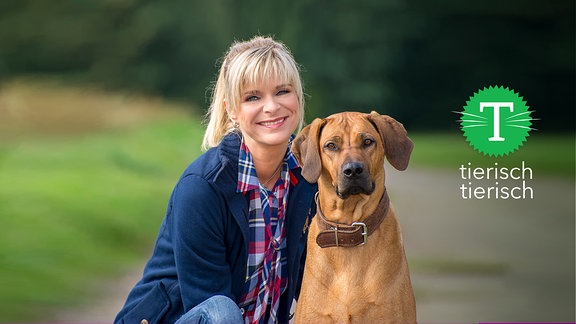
(266, 277)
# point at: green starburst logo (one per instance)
(496, 121)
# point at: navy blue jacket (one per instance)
(202, 246)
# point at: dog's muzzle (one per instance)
(354, 179)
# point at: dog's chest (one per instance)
(344, 272)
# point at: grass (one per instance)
(547, 154)
(82, 208)
(458, 267)
(86, 176)
(82, 203)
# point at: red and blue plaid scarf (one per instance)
(266, 277)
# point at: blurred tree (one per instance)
(525, 45)
(414, 59)
(348, 51)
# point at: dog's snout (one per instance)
(353, 169)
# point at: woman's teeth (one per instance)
(272, 123)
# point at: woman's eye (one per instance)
(251, 98)
(283, 92)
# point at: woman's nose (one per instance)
(271, 105)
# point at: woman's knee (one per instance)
(216, 309)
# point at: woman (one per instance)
(230, 248)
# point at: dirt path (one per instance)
(106, 301)
(471, 260)
(487, 260)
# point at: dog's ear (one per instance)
(397, 145)
(306, 150)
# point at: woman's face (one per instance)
(268, 114)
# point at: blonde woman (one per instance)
(230, 248)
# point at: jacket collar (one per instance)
(299, 201)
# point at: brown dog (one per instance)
(356, 270)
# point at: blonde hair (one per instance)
(246, 64)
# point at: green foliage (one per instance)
(412, 59)
(449, 151)
(76, 209)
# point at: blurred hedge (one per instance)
(417, 60)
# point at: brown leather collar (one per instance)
(337, 234)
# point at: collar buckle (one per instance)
(364, 231)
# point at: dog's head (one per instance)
(348, 150)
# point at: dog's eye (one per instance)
(368, 142)
(331, 146)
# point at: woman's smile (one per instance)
(274, 123)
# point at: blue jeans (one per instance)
(214, 310)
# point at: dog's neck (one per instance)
(335, 234)
(354, 208)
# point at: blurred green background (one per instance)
(101, 105)
(414, 59)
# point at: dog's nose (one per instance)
(353, 169)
